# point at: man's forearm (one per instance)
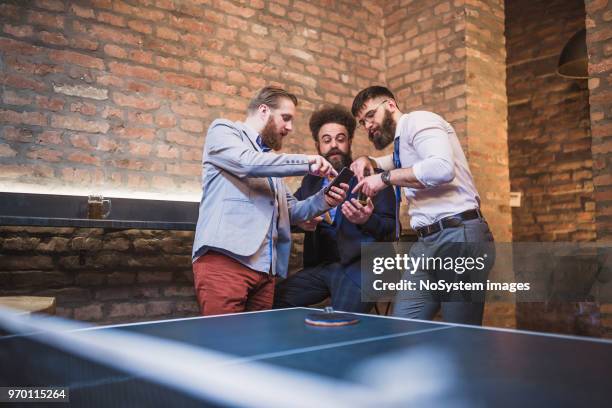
(382, 162)
(405, 178)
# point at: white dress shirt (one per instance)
(430, 146)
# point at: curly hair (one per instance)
(332, 114)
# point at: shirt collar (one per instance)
(251, 134)
(400, 122)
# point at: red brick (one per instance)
(168, 34)
(138, 102)
(140, 149)
(115, 51)
(184, 80)
(111, 19)
(53, 104)
(140, 12)
(135, 133)
(80, 11)
(140, 118)
(46, 19)
(49, 137)
(18, 31)
(84, 43)
(192, 66)
(165, 47)
(140, 26)
(52, 5)
(192, 125)
(167, 152)
(20, 81)
(45, 154)
(143, 57)
(115, 35)
(183, 138)
(190, 110)
(106, 144)
(164, 120)
(76, 123)
(80, 141)
(134, 70)
(127, 310)
(83, 108)
(53, 38)
(164, 62)
(22, 118)
(84, 158)
(76, 58)
(14, 98)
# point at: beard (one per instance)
(384, 135)
(271, 136)
(339, 162)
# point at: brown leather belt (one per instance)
(452, 221)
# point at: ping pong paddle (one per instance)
(329, 318)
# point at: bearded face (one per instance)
(383, 135)
(338, 159)
(271, 135)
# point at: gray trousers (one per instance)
(471, 239)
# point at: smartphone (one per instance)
(363, 199)
(344, 176)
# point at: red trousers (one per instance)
(223, 285)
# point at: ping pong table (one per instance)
(381, 361)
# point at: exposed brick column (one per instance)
(487, 129)
(441, 57)
(425, 58)
(599, 36)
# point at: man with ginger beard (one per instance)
(443, 203)
(332, 244)
(243, 239)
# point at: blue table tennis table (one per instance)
(380, 361)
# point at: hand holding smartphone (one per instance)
(344, 176)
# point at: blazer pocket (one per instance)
(241, 227)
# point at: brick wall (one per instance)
(551, 151)
(599, 34)
(116, 95)
(548, 118)
(101, 276)
(425, 60)
(486, 104)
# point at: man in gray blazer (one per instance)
(243, 238)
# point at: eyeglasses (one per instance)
(369, 116)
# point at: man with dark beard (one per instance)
(243, 238)
(444, 205)
(332, 248)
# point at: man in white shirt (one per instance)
(444, 205)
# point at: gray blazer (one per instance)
(237, 200)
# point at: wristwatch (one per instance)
(385, 176)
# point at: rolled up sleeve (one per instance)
(438, 165)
